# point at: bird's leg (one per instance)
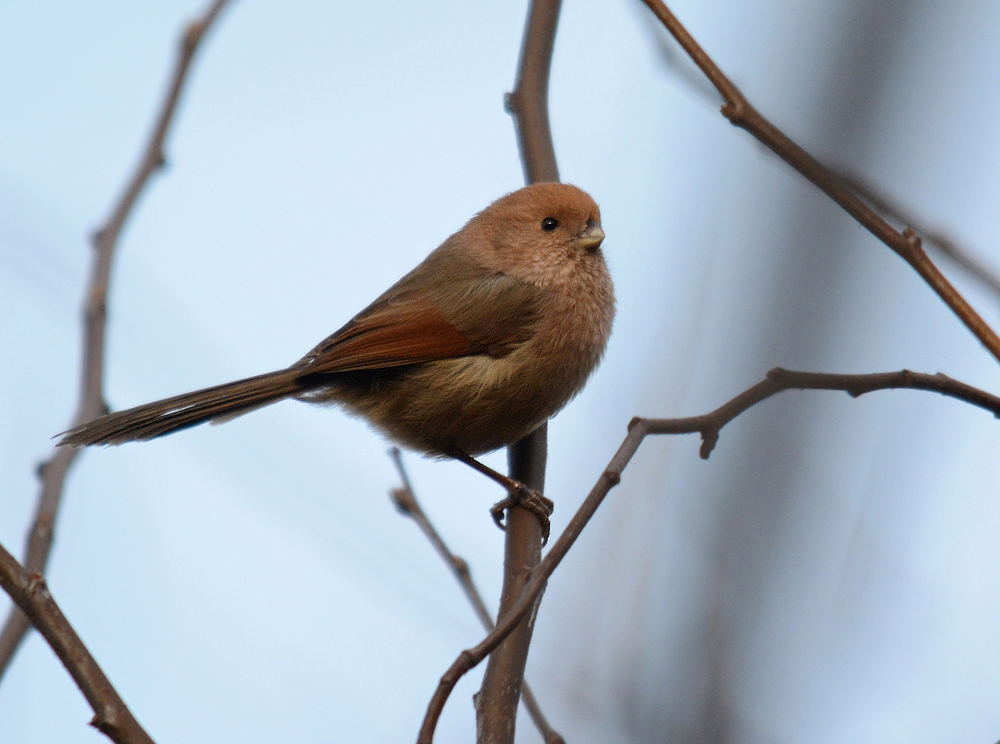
(518, 494)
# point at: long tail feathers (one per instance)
(182, 411)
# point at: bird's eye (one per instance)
(549, 224)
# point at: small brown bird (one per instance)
(491, 335)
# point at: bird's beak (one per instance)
(591, 237)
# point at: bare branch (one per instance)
(778, 379)
(406, 501)
(30, 593)
(906, 244)
(53, 472)
(708, 426)
(496, 701)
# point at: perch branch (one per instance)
(406, 501)
(496, 701)
(528, 103)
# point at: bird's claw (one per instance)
(530, 500)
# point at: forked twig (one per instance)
(708, 425)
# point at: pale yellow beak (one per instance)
(591, 238)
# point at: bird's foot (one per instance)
(521, 495)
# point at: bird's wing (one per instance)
(406, 326)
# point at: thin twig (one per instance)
(31, 594)
(406, 501)
(708, 426)
(53, 472)
(778, 379)
(738, 110)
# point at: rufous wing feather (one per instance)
(392, 336)
(409, 328)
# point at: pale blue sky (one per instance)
(252, 583)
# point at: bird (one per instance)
(487, 338)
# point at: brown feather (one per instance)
(391, 336)
(182, 411)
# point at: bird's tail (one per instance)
(182, 411)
